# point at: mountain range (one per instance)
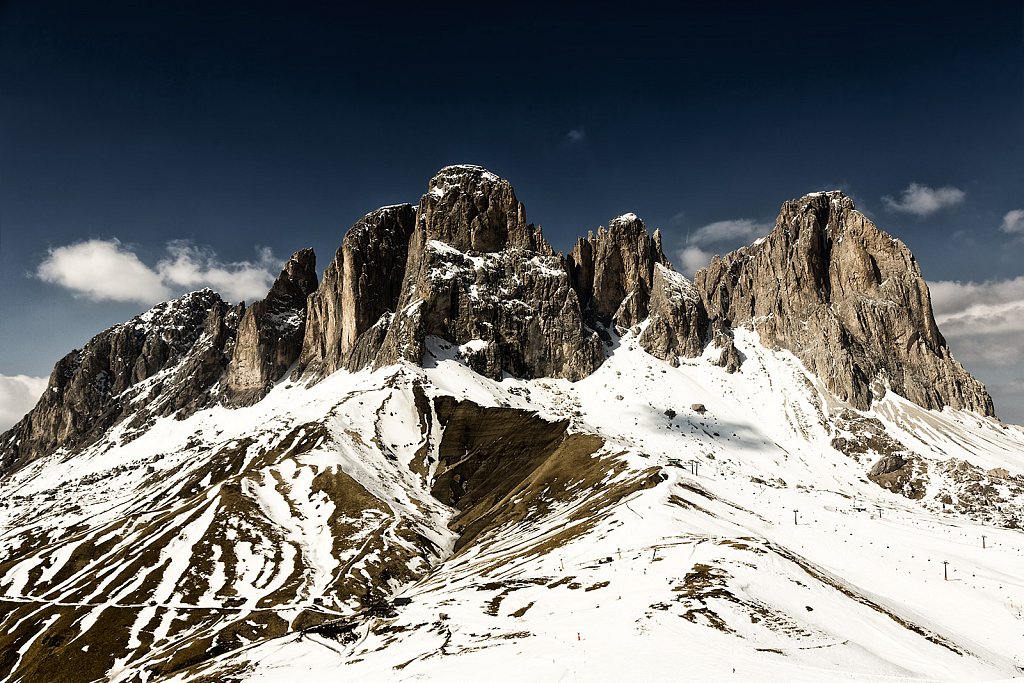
(462, 453)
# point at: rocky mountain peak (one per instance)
(845, 298)
(465, 275)
(297, 279)
(480, 278)
(359, 292)
(471, 209)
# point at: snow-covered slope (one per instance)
(702, 480)
(685, 523)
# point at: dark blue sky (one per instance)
(237, 125)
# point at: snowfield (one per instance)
(715, 532)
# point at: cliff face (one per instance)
(359, 291)
(481, 278)
(613, 271)
(678, 324)
(471, 209)
(270, 333)
(845, 298)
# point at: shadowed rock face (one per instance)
(480, 277)
(845, 298)
(614, 270)
(361, 285)
(271, 332)
(157, 363)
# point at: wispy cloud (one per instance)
(18, 394)
(576, 136)
(921, 200)
(982, 320)
(743, 230)
(1013, 222)
(718, 238)
(692, 259)
(107, 270)
(983, 323)
(190, 267)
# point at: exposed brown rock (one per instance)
(845, 298)
(271, 331)
(887, 465)
(907, 477)
(678, 323)
(481, 278)
(466, 269)
(614, 270)
(722, 338)
(362, 284)
(157, 363)
(471, 209)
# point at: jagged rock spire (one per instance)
(480, 277)
(465, 267)
(187, 341)
(615, 268)
(271, 331)
(360, 290)
(471, 209)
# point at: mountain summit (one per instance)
(460, 446)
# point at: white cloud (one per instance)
(983, 323)
(576, 136)
(978, 308)
(102, 270)
(922, 200)
(18, 394)
(743, 230)
(1013, 222)
(719, 237)
(106, 270)
(189, 267)
(693, 259)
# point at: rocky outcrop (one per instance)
(270, 333)
(893, 466)
(845, 298)
(613, 271)
(158, 363)
(678, 323)
(471, 209)
(359, 291)
(729, 357)
(481, 278)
